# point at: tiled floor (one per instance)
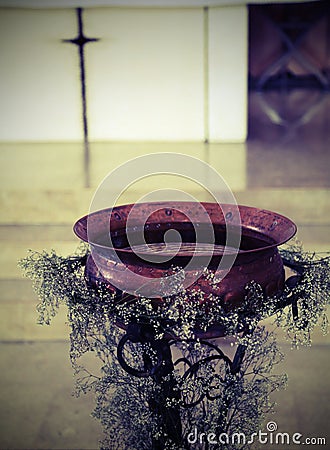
(284, 166)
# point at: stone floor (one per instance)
(284, 166)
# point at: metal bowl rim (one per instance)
(79, 223)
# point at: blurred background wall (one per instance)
(147, 76)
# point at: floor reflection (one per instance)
(289, 137)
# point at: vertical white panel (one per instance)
(39, 76)
(145, 76)
(228, 28)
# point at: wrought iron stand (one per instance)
(161, 369)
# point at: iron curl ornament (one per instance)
(165, 368)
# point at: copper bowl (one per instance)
(257, 257)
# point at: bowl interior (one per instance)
(199, 227)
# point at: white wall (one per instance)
(146, 76)
(39, 90)
(228, 47)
